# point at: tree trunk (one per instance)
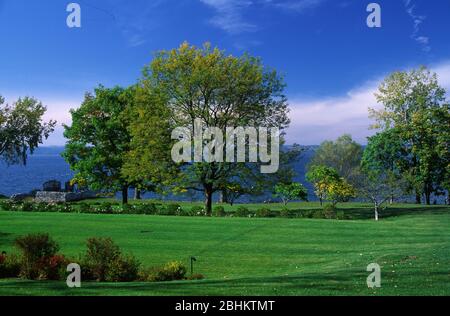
(428, 194)
(208, 200)
(137, 194)
(125, 194)
(428, 198)
(418, 198)
(376, 211)
(321, 202)
(223, 197)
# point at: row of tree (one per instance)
(410, 155)
(122, 137)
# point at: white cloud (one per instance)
(230, 13)
(314, 121)
(417, 21)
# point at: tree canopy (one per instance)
(22, 129)
(221, 91)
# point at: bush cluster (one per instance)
(102, 262)
(328, 212)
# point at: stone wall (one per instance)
(62, 197)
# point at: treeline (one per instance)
(410, 154)
(122, 138)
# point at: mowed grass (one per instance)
(241, 256)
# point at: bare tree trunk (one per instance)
(376, 211)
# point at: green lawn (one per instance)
(241, 256)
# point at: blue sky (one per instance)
(331, 60)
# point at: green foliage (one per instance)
(189, 76)
(329, 211)
(36, 251)
(321, 177)
(171, 210)
(416, 110)
(343, 155)
(100, 256)
(22, 129)
(98, 140)
(123, 269)
(219, 211)
(242, 211)
(291, 191)
(329, 186)
(285, 213)
(198, 211)
(171, 271)
(263, 212)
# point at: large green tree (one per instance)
(386, 155)
(221, 91)
(148, 164)
(414, 104)
(22, 129)
(99, 140)
(343, 155)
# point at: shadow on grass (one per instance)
(393, 211)
(288, 285)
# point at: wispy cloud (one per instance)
(135, 20)
(229, 14)
(298, 6)
(314, 121)
(424, 41)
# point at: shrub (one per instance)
(198, 211)
(65, 208)
(9, 266)
(263, 212)
(318, 214)
(36, 251)
(54, 268)
(219, 211)
(105, 208)
(84, 208)
(100, 255)
(242, 211)
(123, 269)
(146, 208)
(171, 271)
(340, 215)
(27, 207)
(285, 213)
(170, 210)
(329, 211)
(126, 209)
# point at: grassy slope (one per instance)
(255, 256)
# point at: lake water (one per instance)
(47, 164)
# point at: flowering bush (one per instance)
(36, 251)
